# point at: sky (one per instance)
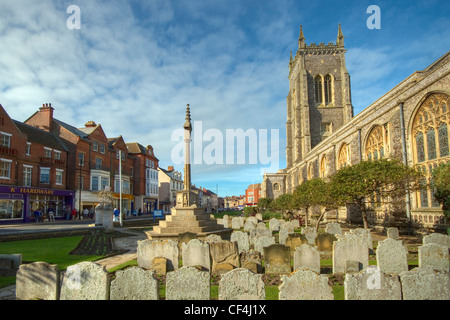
(133, 66)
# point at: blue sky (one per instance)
(134, 65)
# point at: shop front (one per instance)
(18, 204)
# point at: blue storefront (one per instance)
(17, 204)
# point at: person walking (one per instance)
(37, 215)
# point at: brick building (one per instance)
(33, 172)
(252, 194)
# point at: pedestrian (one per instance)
(74, 213)
(37, 215)
(116, 214)
(51, 214)
(85, 213)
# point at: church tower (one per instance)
(319, 99)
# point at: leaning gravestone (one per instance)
(277, 259)
(241, 284)
(371, 284)
(148, 249)
(434, 256)
(307, 257)
(134, 284)
(251, 260)
(188, 283)
(392, 256)
(392, 233)
(305, 285)
(38, 281)
(349, 247)
(242, 240)
(196, 253)
(425, 284)
(85, 281)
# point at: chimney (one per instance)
(170, 168)
(46, 116)
(90, 124)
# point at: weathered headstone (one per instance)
(134, 284)
(392, 233)
(283, 234)
(188, 283)
(324, 242)
(149, 249)
(349, 247)
(333, 228)
(392, 256)
(224, 255)
(261, 225)
(437, 238)
(263, 241)
(196, 253)
(38, 281)
(237, 223)
(241, 284)
(295, 240)
(352, 266)
(184, 238)
(223, 221)
(310, 234)
(434, 256)
(159, 265)
(277, 259)
(108, 213)
(305, 284)
(85, 281)
(259, 216)
(425, 284)
(213, 238)
(274, 224)
(251, 260)
(371, 284)
(365, 233)
(307, 257)
(242, 240)
(255, 233)
(99, 212)
(249, 224)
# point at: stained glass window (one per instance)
(343, 159)
(420, 147)
(443, 140)
(431, 144)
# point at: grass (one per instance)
(52, 250)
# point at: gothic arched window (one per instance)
(377, 143)
(323, 167)
(344, 156)
(430, 138)
(318, 89)
(328, 89)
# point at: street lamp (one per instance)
(80, 187)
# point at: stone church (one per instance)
(411, 122)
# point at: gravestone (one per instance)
(261, 225)
(307, 257)
(108, 223)
(241, 284)
(38, 281)
(196, 253)
(333, 228)
(255, 233)
(85, 281)
(159, 265)
(99, 212)
(224, 255)
(392, 233)
(184, 238)
(305, 284)
(274, 224)
(251, 260)
(134, 283)
(263, 241)
(371, 284)
(352, 266)
(284, 233)
(349, 247)
(324, 242)
(188, 283)
(149, 249)
(365, 233)
(223, 222)
(295, 240)
(249, 225)
(213, 238)
(310, 234)
(434, 256)
(237, 223)
(437, 238)
(242, 240)
(392, 256)
(277, 259)
(425, 284)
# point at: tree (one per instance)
(314, 192)
(383, 179)
(284, 204)
(441, 185)
(264, 204)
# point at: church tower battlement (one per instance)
(319, 99)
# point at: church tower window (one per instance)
(328, 90)
(318, 89)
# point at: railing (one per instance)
(58, 162)
(8, 151)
